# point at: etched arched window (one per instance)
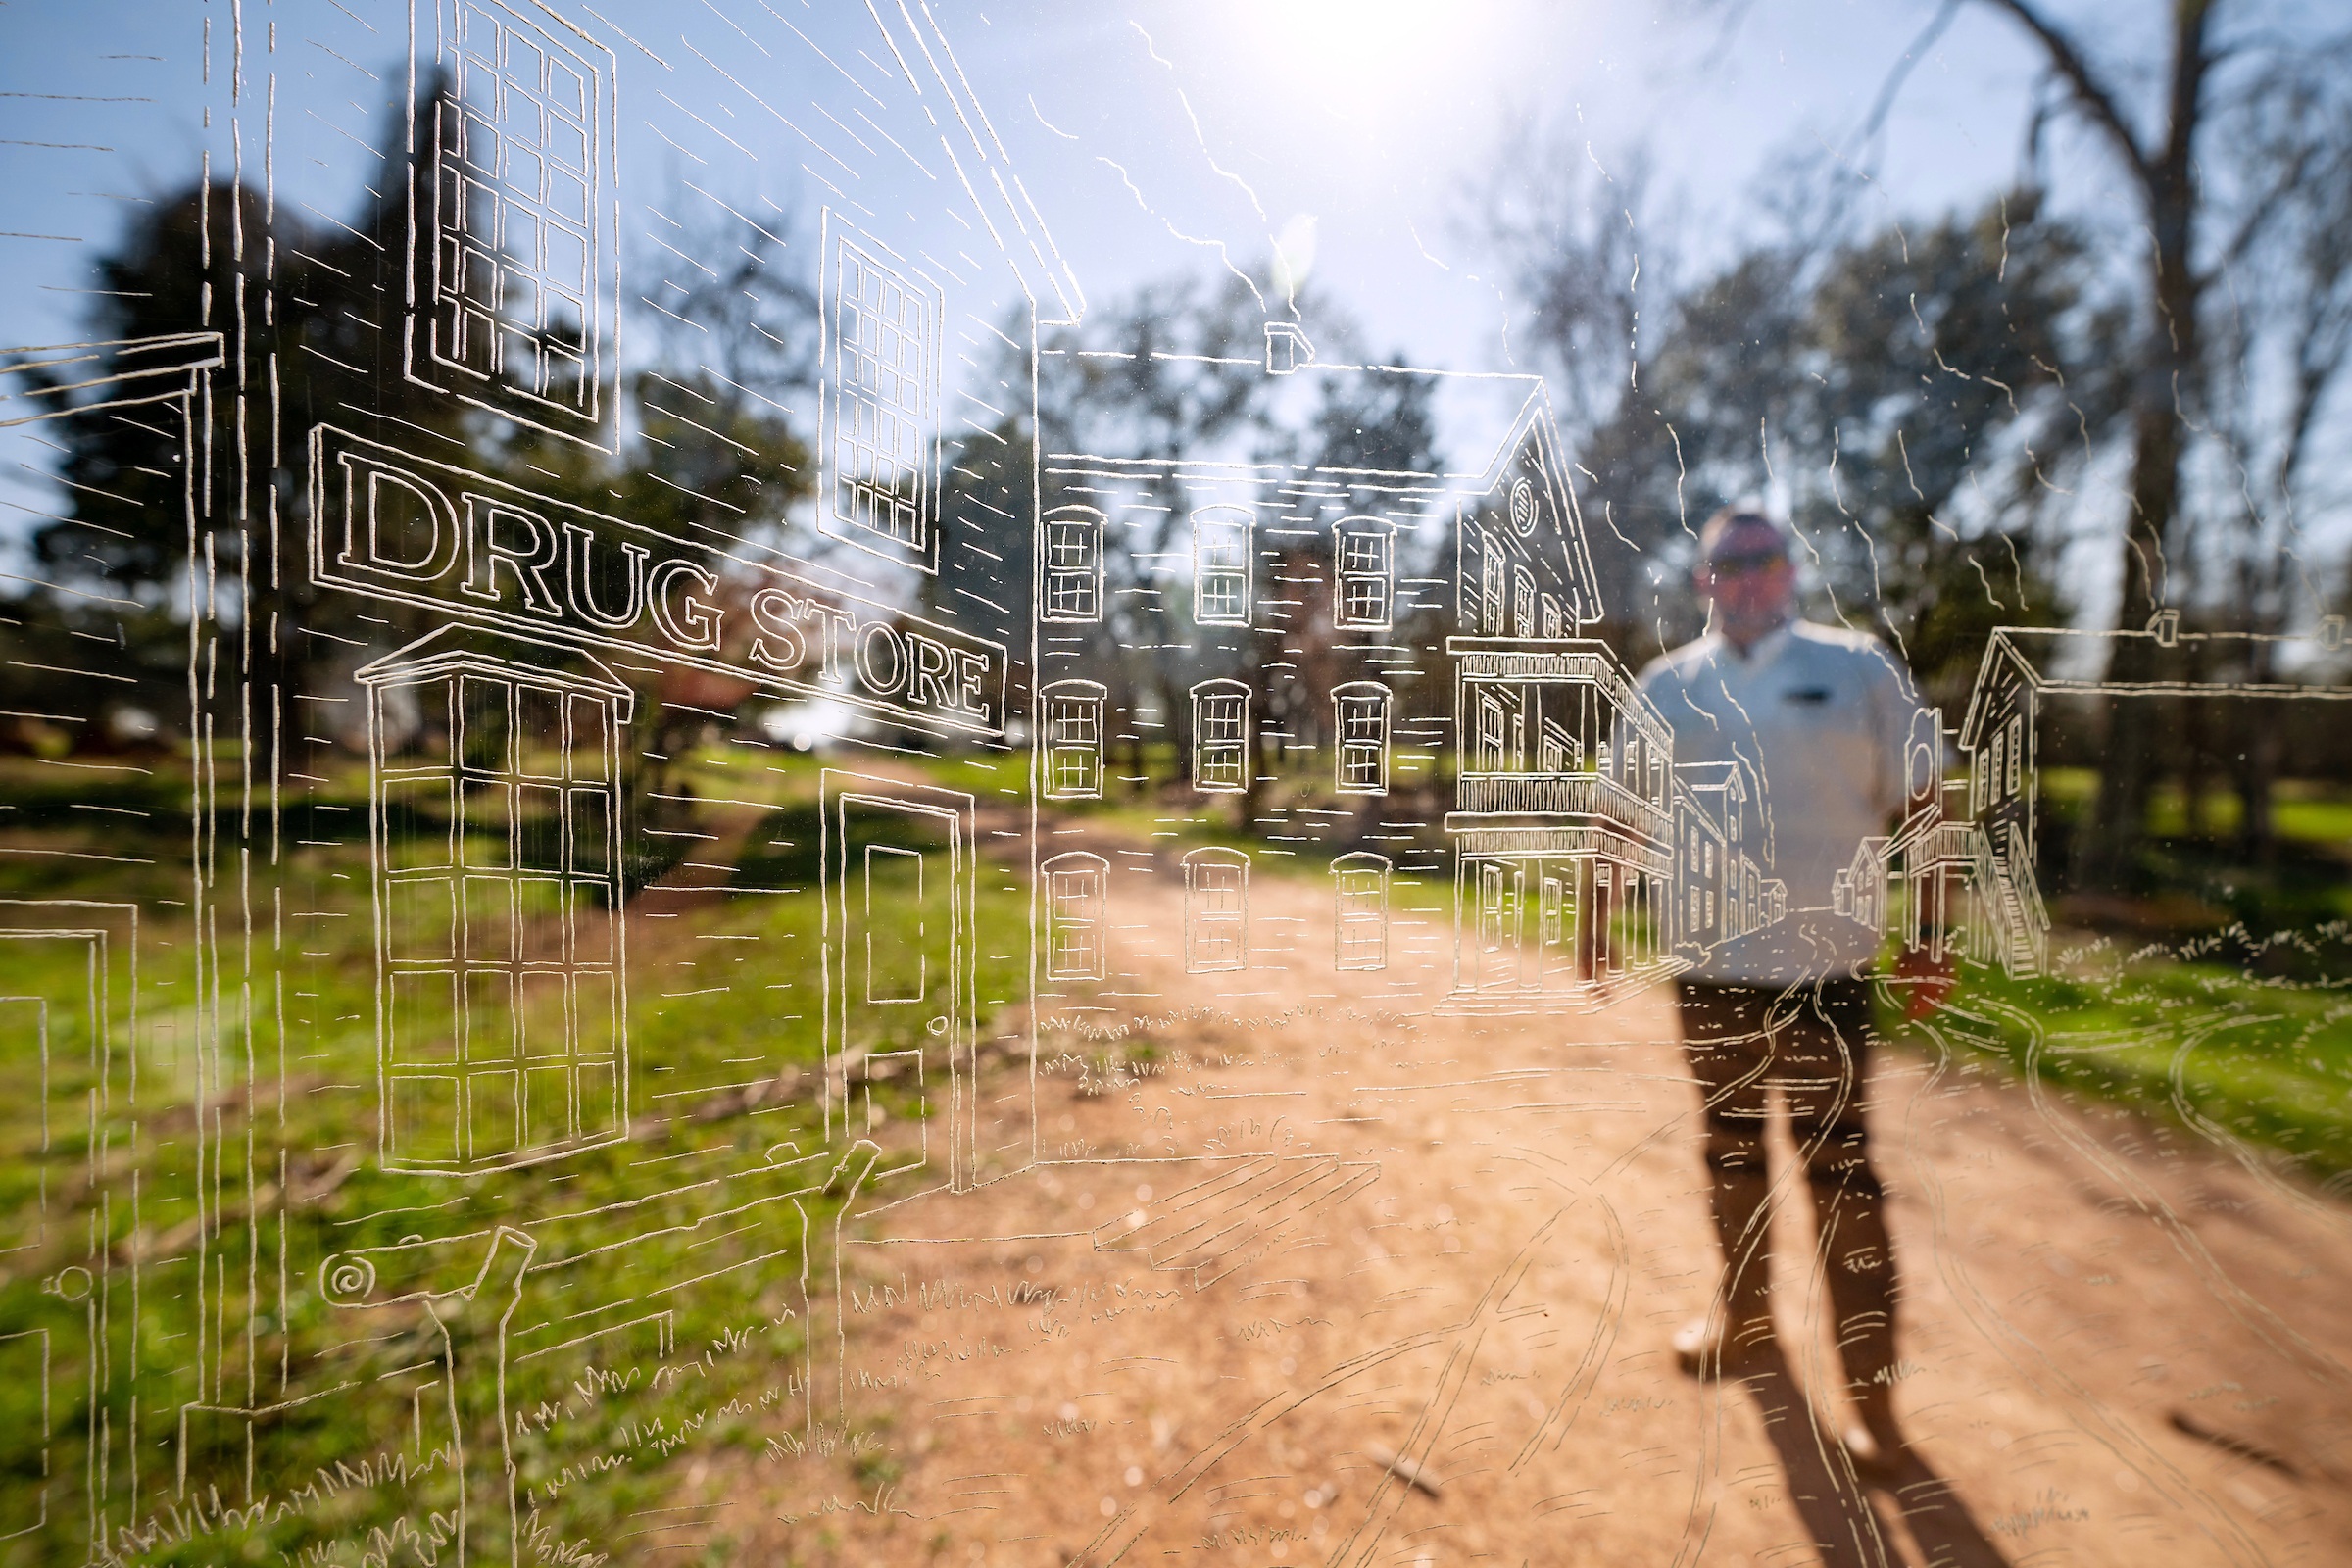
(1361, 898)
(1072, 590)
(1076, 887)
(1364, 570)
(1221, 736)
(1070, 731)
(1216, 910)
(1361, 720)
(1221, 565)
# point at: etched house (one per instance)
(2034, 681)
(1414, 631)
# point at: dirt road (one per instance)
(1327, 1285)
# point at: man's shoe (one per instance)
(1703, 1350)
(1871, 1437)
(1873, 1453)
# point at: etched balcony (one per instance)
(1559, 794)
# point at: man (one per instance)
(1819, 718)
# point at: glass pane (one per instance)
(422, 1017)
(417, 822)
(485, 724)
(591, 831)
(546, 1027)
(412, 722)
(593, 926)
(540, 829)
(489, 827)
(547, 1106)
(592, 1014)
(539, 731)
(539, 910)
(549, 529)
(493, 1115)
(422, 1121)
(419, 920)
(599, 1099)
(589, 741)
(489, 920)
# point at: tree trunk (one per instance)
(2118, 820)
(2196, 751)
(2167, 177)
(2258, 756)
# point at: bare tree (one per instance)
(2278, 350)
(2168, 152)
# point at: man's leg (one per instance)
(1728, 1053)
(1824, 1072)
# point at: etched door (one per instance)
(899, 867)
(1558, 949)
(53, 1396)
(1500, 890)
(29, 1335)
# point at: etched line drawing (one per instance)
(896, 917)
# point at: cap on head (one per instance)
(1752, 521)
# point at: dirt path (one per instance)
(1291, 1249)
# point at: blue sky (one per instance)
(1228, 122)
(1156, 136)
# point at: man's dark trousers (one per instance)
(1812, 1041)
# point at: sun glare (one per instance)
(1364, 60)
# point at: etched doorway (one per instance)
(900, 896)
(495, 812)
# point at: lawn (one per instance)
(2211, 1034)
(592, 1444)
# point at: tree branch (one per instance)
(2097, 101)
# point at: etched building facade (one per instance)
(1488, 828)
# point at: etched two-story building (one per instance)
(1485, 806)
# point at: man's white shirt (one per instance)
(1821, 717)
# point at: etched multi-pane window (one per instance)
(1076, 886)
(515, 186)
(1554, 625)
(2017, 755)
(1221, 567)
(1556, 752)
(1489, 587)
(1360, 894)
(1221, 736)
(1523, 603)
(498, 892)
(1073, 565)
(1360, 719)
(1071, 725)
(1216, 910)
(1365, 551)
(1485, 756)
(881, 328)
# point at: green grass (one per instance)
(589, 1449)
(2195, 1035)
